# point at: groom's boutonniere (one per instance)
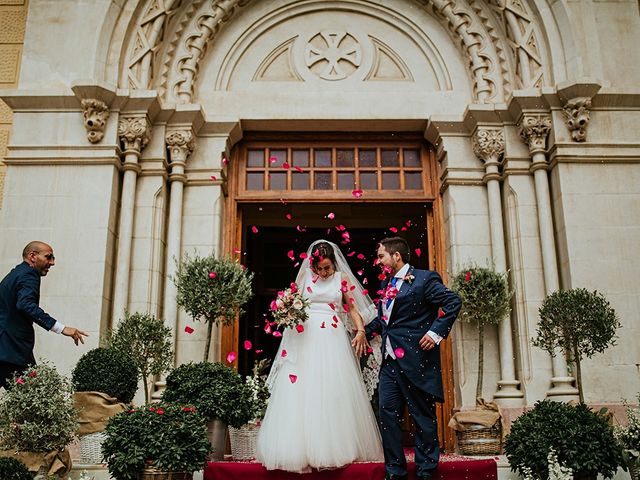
(408, 278)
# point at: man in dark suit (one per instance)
(416, 312)
(19, 310)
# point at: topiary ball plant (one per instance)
(109, 371)
(215, 389)
(583, 440)
(14, 469)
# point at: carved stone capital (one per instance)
(134, 133)
(533, 130)
(180, 144)
(95, 114)
(488, 144)
(576, 114)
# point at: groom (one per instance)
(415, 313)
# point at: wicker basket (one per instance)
(91, 448)
(243, 441)
(635, 472)
(480, 440)
(152, 473)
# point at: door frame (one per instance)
(233, 241)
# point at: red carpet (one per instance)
(452, 467)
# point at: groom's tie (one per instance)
(394, 280)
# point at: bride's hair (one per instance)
(320, 252)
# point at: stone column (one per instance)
(134, 133)
(180, 144)
(533, 130)
(488, 146)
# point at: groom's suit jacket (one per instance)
(415, 312)
(19, 310)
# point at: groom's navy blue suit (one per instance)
(415, 378)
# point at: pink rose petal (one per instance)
(293, 378)
(399, 352)
(248, 345)
(213, 275)
(254, 229)
(418, 252)
(393, 229)
(289, 216)
(361, 256)
(285, 165)
(323, 325)
(309, 290)
(283, 353)
(258, 352)
(188, 329)
(299, 169)
(224, 160)
(299, 328)
(351, 254)
(291, 255)
(231, 357)
(273, 159)
(214, 178)
(331, 215)
(236, 250)
(277, 334)
(357, 193)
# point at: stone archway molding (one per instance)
(502, 41)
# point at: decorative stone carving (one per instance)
(576, 114)
(180, 144)
(333, 54)
(95, 114)
(533, 130)
(134, 132)
(488, 144)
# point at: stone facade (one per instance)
(125, 110)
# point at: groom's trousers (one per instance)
(394, 391)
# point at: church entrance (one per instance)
(273, 226)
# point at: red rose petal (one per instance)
(254, 229)
(399, 352)
(361, 256)
(309, 290)
(323, 325)
(248, 345)
(293, 378)
(283, 353)
(273, 159)
(291, 255)
(231, 357)
(467, 277)
(298, 169)
(277, 334)
(393, 229)
(225, 160)
(418, 252)
(299, 328)
(236, 250)
(213, 275)
(440, 313)
(285, 165)
(258, 352)
(357, 193)
(214, 178)
(289, 216)
(188, 329)
(369, 350)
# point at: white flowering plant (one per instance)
(629, 437)
(289, 309)
(257, 383)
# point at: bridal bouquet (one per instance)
(290, 307)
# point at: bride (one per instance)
(319, 415)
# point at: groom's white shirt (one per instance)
(386, 312)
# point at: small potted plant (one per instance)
(156, 441)
(243, 439)
(629, 440)
(105, 381)
(485, 301)
(217, 392)
(37, 415)
(212, 290)
(582, 439)
(14, 469)
(579, 322)
(147, 340)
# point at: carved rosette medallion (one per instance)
(576, 114)
(95, 114)
(533, 130)
(488, 144)
(134, 133)
(333, 54)
(180, 144)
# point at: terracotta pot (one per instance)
(152, 473)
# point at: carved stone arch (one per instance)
(170, 37)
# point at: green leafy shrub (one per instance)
(580, 322)
(148, 341)
(37, 414)
(109, 371)
(583, 440)
(629, 437)
(215, 389)
(212, 290)
(485, 301)
(14, 469)
(162, 435)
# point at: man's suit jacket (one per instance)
(415, 312)
(19, 310)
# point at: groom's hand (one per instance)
(427, 343)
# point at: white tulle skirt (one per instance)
(323, 420)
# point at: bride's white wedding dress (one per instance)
(319, 415)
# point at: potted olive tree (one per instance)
(156, 441)
(212, 290)
(579, 322)
(147, 340)
(105, 381)
(217, 392)
(582, 439)
(485, 301)
(38, 419)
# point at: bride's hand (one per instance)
(360, 343)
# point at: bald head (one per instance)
(35, 246)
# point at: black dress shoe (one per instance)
(390, 476)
